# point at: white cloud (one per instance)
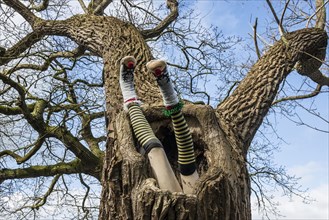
(311, 173)
(315, 175)
(295, 208)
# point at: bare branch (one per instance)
(73, 144)
(83, 6)
(290, 98)
(320, 14)
(86, 211)
(283, 12)
(7, 110)
(43, 200)
(22, 10)
(74, 166)
(101, 7)
(154, 32)
(255, 40)
(97, 7)
(40, 7)
(21, 46)
(319, 78)
(19, 159)
(281, 29)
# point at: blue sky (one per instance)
(304, 151)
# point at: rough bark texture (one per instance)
(131, 193)
(221, 136)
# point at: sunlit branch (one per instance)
(154, 32)
(320, 14)
(97, 7)
(83, 6)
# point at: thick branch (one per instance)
(21, 46)
(244, 110)
(73, 144)
(83, 6)
(320, 14)
(97, 7)
(49, 170)
(7, 110)
(154, 32)
(22, 10)
(319, 78)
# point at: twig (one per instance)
(255, 39)
(320, 23)
(281, 30)
(291, 98)
(83, 6)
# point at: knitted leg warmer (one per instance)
(186, 158)
(142, 129)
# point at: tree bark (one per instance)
(130, 192)
(221, 136)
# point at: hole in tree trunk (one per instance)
(167, 137)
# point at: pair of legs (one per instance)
(144, 134)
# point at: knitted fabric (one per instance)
(142, 129)
(159, 70)
(127, 81)
(186, 157)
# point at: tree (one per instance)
(55, 115)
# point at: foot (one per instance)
(159, 69)
(127, 67)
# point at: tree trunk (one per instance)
(221, 137)
(221, 140)
(130, 192)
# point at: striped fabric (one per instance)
(142, 129)
(186, 157)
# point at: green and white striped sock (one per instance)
(186, 157)
(142, 129)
